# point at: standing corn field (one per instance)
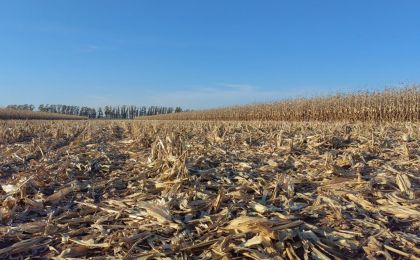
(10, 114)
(389, 105)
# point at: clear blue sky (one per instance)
(200, 53)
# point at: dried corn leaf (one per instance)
(159, 212)
(247, 224)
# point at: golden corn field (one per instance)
(8, 114)
(213, 190)
(389, 105)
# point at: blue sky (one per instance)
(200, 54)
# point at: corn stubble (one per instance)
(209, 190)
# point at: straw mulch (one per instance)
(209, 190)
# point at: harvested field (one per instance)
(209, 190)
(11, 114)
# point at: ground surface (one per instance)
(197, 190)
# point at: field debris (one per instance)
(209, 190)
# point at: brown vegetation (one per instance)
(209, 190)
(9, 114)
(388, 105)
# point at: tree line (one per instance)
(107, 112)
(21, 107)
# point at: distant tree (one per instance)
(100, 113)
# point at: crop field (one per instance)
(10, 114)
(401, 104)
(209, 190)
